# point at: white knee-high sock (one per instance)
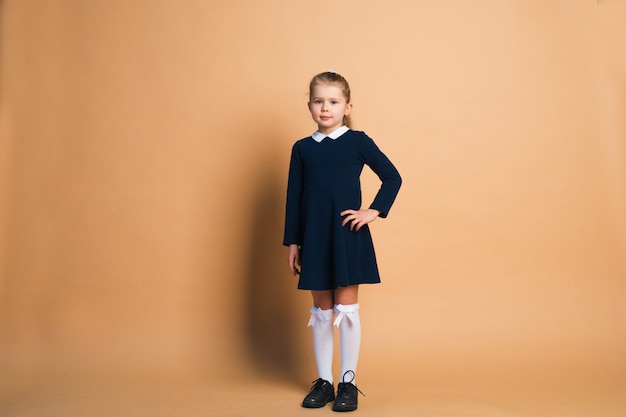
(349, 325)
(323, 341)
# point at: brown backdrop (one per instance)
(143, 163)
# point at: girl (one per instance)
(326, 230)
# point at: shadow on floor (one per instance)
(274, 316)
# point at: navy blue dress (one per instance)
(324, 180)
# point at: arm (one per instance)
(391, 182)
(292, 233)
(386, 172)
(390, 179)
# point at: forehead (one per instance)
(327, 90)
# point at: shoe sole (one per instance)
(342, 408)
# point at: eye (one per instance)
(317, 101)
(334, 102)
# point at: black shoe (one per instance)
(322, 392)
(347, 394)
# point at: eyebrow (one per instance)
(327, 98)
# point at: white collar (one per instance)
(318, 136)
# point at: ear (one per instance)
(348, 109)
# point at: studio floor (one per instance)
(254, 396)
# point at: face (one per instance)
(328, 106)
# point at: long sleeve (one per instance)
(386, 172)
(293, 232)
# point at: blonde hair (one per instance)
(330, 77)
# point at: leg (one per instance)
(322, 322)
(323, 336)
(349, 323)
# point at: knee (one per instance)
(323, 300)
(347, 295)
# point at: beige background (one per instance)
(143, 161)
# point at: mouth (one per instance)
(325, 117)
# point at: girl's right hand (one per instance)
(294, 259)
